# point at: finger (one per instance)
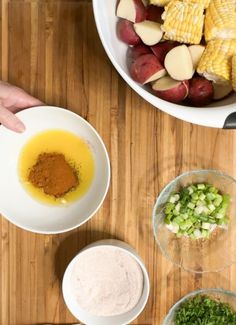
(30, 101)
(18, 99)
(10, 121)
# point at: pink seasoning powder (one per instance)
(107, 281)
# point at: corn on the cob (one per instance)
(216, 61)
(183, 22)
(234, 72)
(205, 3)
(220, 21)
(160, 3)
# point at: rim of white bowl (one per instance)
(204, 116)
(154, 216)
(44, 232)
(194, 293)
(119, 245)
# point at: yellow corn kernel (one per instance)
(183, 22)
(216, 61)
(160, 3)
(220, 20)
(234, 72)
(205, 3)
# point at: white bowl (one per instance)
(22, 209)
(214, 115)
(86, 317)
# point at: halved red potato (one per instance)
(132, 10)
(134, 52)
(126, 32)
(200, 91)
(178, 63)
(171, 90)
(196, 52)
(161, 49)
(146, 68)
(149, 31)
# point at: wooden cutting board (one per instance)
(52, 49)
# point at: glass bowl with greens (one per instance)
(207, 306)
(194, 221)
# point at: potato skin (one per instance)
(144, 67)
(126, 33)
(161, 49)
(140, 11)
(176, 94)
(136, 51)
(201, 91)
(154, 13)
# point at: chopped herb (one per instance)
(196, 211)
(203, 310)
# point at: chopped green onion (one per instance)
(196, 210)
(191, 205)
(201, 186)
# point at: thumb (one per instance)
(10, 121)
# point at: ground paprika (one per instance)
(53, 174)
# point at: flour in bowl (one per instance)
(107, 281)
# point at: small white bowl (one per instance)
(25, 211)
(86, 317)
(214, 115)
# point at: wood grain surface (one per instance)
(52, 50)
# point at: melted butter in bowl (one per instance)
(56, 167)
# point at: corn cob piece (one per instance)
(183, 22)
(216, 61)
(220, 21)
(234, 72)
(160, 3)
(205, 3)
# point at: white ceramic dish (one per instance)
(22, 209)
(89, 319)
(214, 115)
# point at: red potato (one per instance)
(200, 91)
(161, 49)
(132, 10)
(171, 90)
(154, 13)
(134, 52)
(126, 32)
(146, 68)
(150, 32)
(196, 52)
(178, 63)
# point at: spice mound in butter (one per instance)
(53, 174)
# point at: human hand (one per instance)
(12, 100)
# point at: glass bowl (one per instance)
(209, 255)
(219, 294)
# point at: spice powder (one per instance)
(53, 174)
(56, 167)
